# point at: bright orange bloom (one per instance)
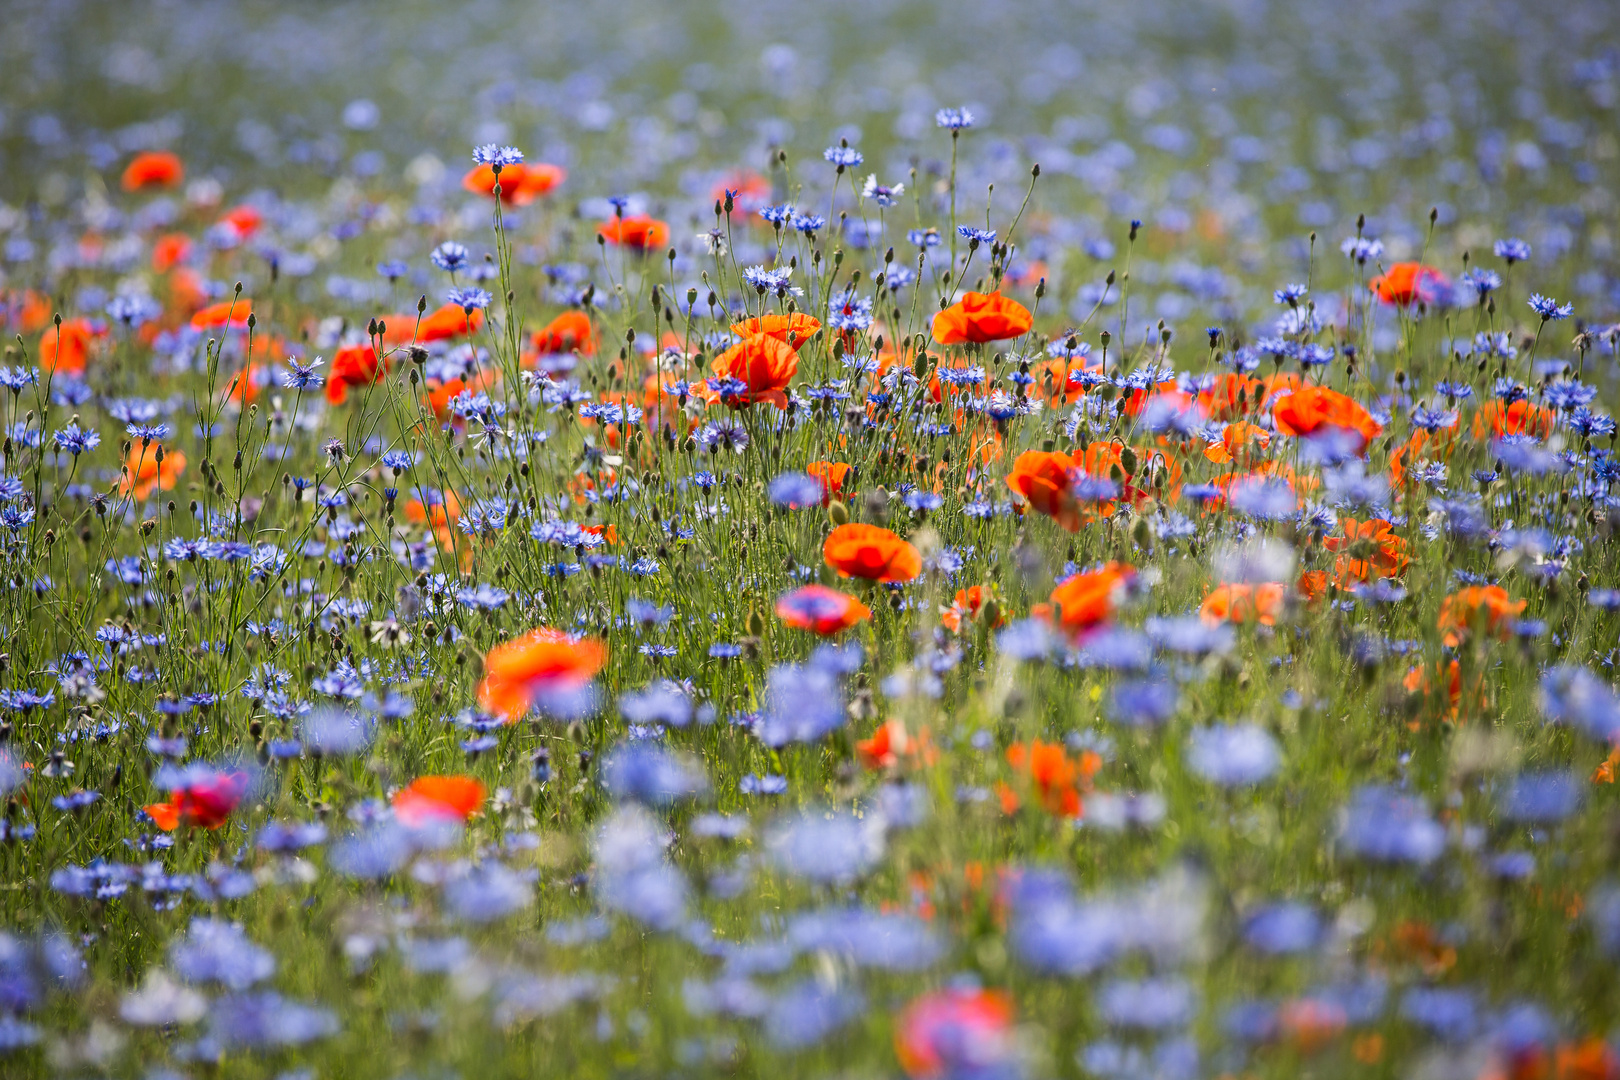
(870, 551)
(958, 1032)
(1234, 437)
(1368, 549)
(1409, 282)
(820, 609)
(206, 803)
(1057, 778)
(1520, 418)
(244, 219)
(794, 330)
(1099, 459)
(1239, 603)
(155, 168)
(749, 190)
(637, 231)
(525, 670)
(569, 332)
(26, 312)
(520, 184)
(231, 313)
(968, 604)
(1231, 396)
(890, 743)
(765, 364)
(1433, 445)
(169, 250)
(1083, 602)
(1460, 611)
(1045, 478)
(1314, 408)
(1604, 773)
(1311, 1023)
(981, 317)
(66, 348)
(144, 473)
(1593, 1059)
(430, 799)
(832, 475)
(354, 366)
(1059, 380)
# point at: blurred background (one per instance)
(1232, 129)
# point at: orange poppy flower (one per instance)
(1460, 611)
(1231, 396)
(441, 324)
(1311, 409)
(1368, 549)
(1436, 444)
(749, 190)
(1045, 478)
(569, 332)
(891, 743)
(354, 366)
(26, 312)
(981, 317)
(520, 184)
(1060, 379)
(226, 313)
(820, 609)
(1522, 417)
(968, 604)
(170, 250)
(66, 348)
(1592, 1059)
(244, 219)
(1099, 459)
(832, 475)
(955, 1032)
(524, 671)
(638, 231)
(794, 330)
(206, 803)
(1057, 778)
(764, 364)
(1234, 437)
(430, 799)
(872, 552)
(1604, 773)
(1238, 603)
(154, 168)
(1083, 602)
(1409, 282)
(144, 473)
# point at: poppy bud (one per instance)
(1127, 460)
(1141, 533)
(837, 513)
(756, 624)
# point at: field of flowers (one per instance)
(947, 541)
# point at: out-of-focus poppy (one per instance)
(520, 184)
(429, 799)
(1082, 602)
(205, 801)
(541, 662)
(968, 604)
(569, 332)
(1057, 779)
(820, 609)
(1494, 420)
(1242, 603)
(1046, 478)
(354, 366)
(1410, 282)
(1312, 409)
(956, 1033)
(66, 348)
(639, 231)
(1235, 438)
(1489, 605)
(169, 250)
(150, 468)
(891, 743)
(1367, 550)
(980, 318)
(153, 168)
(244, 219)
(871, 551)
(832, 475)
(226, 313)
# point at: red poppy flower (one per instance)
(206, 802)
(981, 317)
(958, 1032)
(569, 332)
(438, 798)
(227, 313)
(820, 609)
(1312, 409)
(1409, 282)
(526, 669)
(1240, 603)
(154, 168)
(520, 184)
(764, 364)
(794, 330)
(1083, 602)
(871, 551)
(637, 231)
(354, 366)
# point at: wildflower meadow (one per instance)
(961, 541)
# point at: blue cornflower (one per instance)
(1549, 309)
(843, 156)
(133, 310)
(795, 490)
(778, 215)
(982, 236)
(303, 376)
(469, 300)
(777, 280)
(15, 378)
(1512, 251)
(76, 440)
(495, 154)
(393, 269)
(953, 119)
(923, 238)
(809, 224)
(450, 257)
(147, 432)
(1362, 249)
(883, 194)
(1482, 281)
(16, 518)
(1289, 294)
(398, 460)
